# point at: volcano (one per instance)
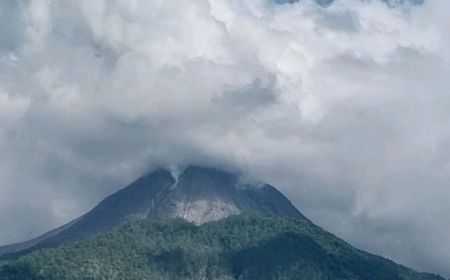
(198, 195)
(203, 224)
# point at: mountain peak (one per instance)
(203, 194)
(286, 246)
(199, 195)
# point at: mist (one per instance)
(344, 107)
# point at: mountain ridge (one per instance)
(198, 195)
(205, 224)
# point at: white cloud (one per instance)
(345, 108)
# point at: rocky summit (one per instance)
(202, 224)
(198, 195)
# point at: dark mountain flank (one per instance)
(198, 195)
(203, 224)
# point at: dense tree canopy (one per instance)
(240, 247)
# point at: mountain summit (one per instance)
(198, 195)
(132, 234)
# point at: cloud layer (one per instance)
(345, 108)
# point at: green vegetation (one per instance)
(240, 247)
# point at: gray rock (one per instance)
(198, 195)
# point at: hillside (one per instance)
(240, 247)
(198, 195)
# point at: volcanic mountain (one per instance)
(203, 224)
(198, 195)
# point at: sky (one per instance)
(345, 108)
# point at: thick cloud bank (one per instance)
(346, 108)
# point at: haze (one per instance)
(344, 108)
